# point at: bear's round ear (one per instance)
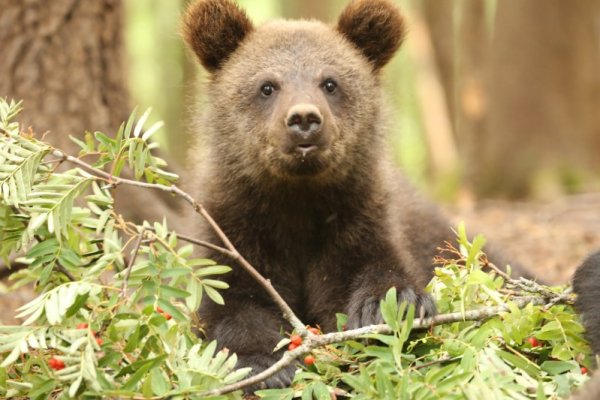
(376, 27)
(214, 29)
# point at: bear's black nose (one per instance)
(303, 121)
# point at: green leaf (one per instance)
(134, 339)
(141, 371)
(159, 384)
(170, 291)
(214, 295)
(276, 394)
(559, 367)
(169, 308)
(195, 298)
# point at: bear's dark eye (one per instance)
(267, 89)
(330, 85)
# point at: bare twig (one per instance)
(64, 271)
(7, 269)
(136, 249)
(314, 341)
(202, 243)
(531, 286)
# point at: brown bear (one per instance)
(586, 284)
(297, 173)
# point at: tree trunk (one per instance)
(471, 96)
(440, 17)
(63, 58)
(544, 123)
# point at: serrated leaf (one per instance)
(214, 295)
(140, 124)
(195, 290)
(12, 357)
(212, 270)
(150, 131)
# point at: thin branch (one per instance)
(114, 181)
(136, 250)
(58, 266)
(314, 341)
(202, 243)
(63, 270)
(7, 269)
(527, 285)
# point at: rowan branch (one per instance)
(136, 249)
(312, 342)
(202, 243)
(114, 181)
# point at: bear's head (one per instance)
(295, 99)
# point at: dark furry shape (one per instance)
(214, 29)
(320, 210)
(375, 27)
(586, 283)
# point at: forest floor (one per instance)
(549, 238)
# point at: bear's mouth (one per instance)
(306, 149)
(303, 150)
(304, 159)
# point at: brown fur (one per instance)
(214, 29)
(375, 27)
(586, 284)
(334, 230)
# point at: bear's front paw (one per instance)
(364, 309)
(259, 362)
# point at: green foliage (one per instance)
(489, 359)
(116, 302)
(115, 338)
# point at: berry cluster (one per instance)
(56, 364)
(165, 314)
(296, 341)
(84, 325)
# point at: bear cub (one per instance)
(297, 175)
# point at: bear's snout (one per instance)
(304, 123)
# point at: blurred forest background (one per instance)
(492, 99)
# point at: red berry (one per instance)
(56, 364)
(292, 346)
(167, 316)
(296, 339)
(99, 340)
(309, 360)
(82, 325)
(314, 331)
(160, 310)
(533, 342)
(584, 370)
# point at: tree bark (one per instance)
(440, 17)
(63, 58)
(471, 60)
(544, 124)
